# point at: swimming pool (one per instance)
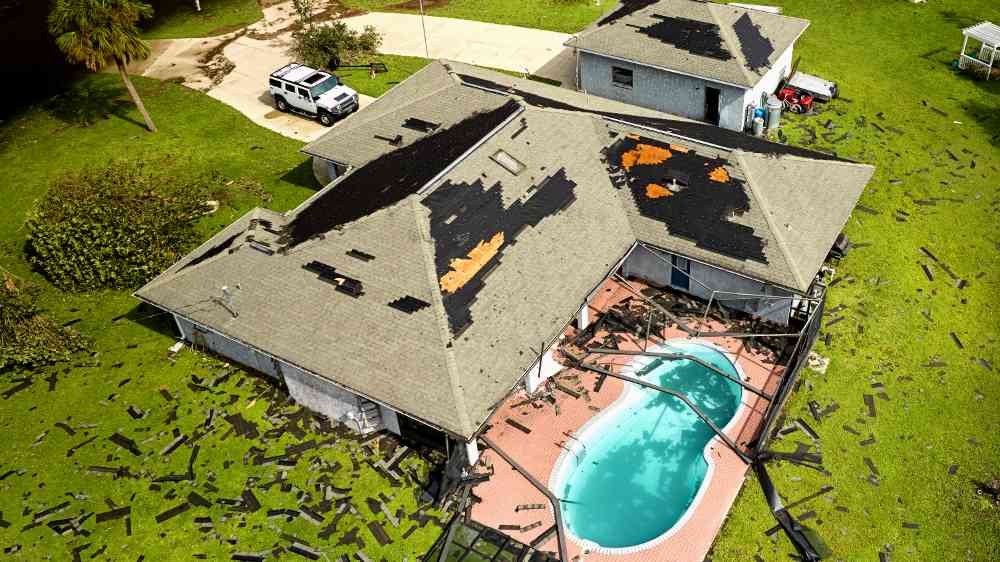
(638, 466)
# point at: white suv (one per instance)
(299, 88)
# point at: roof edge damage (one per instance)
(479, 242)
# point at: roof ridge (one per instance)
(733, 43)
(776, 232)
(444, 332)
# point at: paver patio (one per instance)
(539, 451)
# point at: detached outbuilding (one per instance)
(705, 61)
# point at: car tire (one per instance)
(326, 119)
(281, 104)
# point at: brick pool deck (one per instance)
(553, 425)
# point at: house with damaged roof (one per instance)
(693, 58)
(470, 218)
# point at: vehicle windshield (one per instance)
(324, 87)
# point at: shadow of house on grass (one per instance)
(302, 176)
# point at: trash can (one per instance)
(774, 106)
(758, 126)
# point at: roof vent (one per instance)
(508, 162)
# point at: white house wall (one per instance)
(642, 263)
(769, 83)
(311, 391)
(661, 90)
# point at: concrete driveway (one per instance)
(233, 68)
(485, 44)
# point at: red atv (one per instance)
(795, 100)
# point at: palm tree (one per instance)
(96, 33)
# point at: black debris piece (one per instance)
(958, 342)
(248, 557)
(379, 533)
(242, 427)
(625, 8)
(73, 449)
(125, 443)
(756, 48)
(197, 500)
(409, 304)
(135, 413)
(393, 176)
(871, 466)
(420, 125)
(394, 141)
(851, 430)
(172, 446)
(214, 250)
(692, 195)
(927, 272)
(304, 551)
(517, 425)
(953, 469)
(250, 502)
(696, 37)
(471, 228)
(166, 394)
(65, 427)
(343, 283)
(22, 384)
(363, 256)
(908, 525)
(870, 403)
(114, 514)
(869, 441)
(173, 512)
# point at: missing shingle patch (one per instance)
(696, 37)
(363, 256)
(756, 48)
(409, 304)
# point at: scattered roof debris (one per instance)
(363, 256)
(343, 283)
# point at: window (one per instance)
(324, 86)
(304, 93)
(275, 83)
(290, 88)
(621, 77)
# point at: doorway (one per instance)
(712, 96)
(680, 273)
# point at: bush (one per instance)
(317, 46)
(27, 337)
(114, 227)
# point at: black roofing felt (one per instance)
(691, 129)
(699, 212)
(756, 48)
(393, 176)
(214, 250)
(409, 304)
(464, 215)
(626, 8)
(696, 37)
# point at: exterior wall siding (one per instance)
(661, 90)
(646, 265)
(769, 83)
(307, 389)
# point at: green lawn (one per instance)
(178, 18)
(130, 364)
(935, 187)
(399, 69)
(566, 16)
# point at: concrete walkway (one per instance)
(233, 68)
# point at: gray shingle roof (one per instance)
(504, 259)
(715, 41)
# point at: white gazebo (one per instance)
(988, 35)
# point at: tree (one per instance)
(96, 33)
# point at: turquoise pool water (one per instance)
(639, 465)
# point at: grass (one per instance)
(130, 364)
(399, 69)
(935, 188)
(564, 16)
(178, 18)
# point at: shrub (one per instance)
(28, 338)
(317, 46)
(113, 227)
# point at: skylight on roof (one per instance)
(508, 162)
(314, 78)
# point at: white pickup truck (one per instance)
(299, 88)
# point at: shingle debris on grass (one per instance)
(870, 403)
(173, 512)
(114, 514)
